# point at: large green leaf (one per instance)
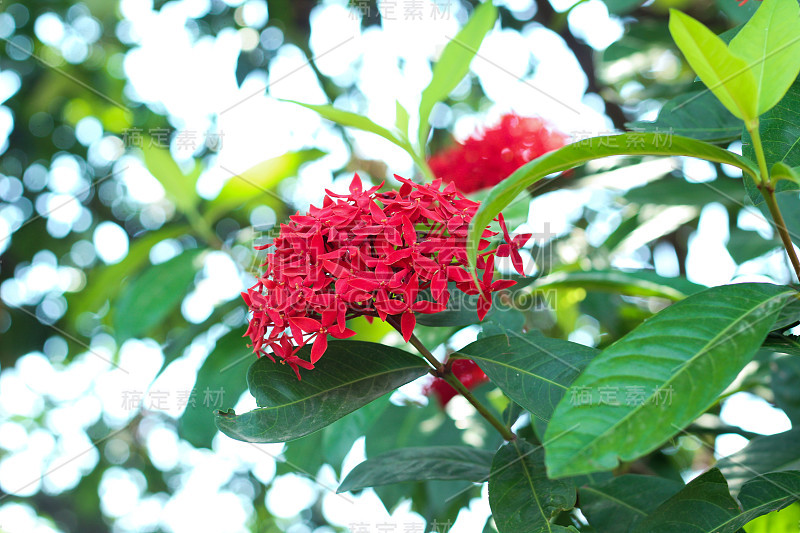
(727, 75)
(522, 498)
(155, 294)
(770, 44)
(639, 283)
(454, 63)
(780, 137)
(256, 184)
(616, 506)
(350, 375)
(418, 464)
(219, 384)
(706, 506)
(771, 453)
(578, 153)
(697, 114)
(654, 381)
(532, 370)
(672, 190)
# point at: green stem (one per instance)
(427, 173)
(445, 373)
(767, 189)
(755, 135)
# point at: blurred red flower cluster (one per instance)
(489, 156)
(467, 372)
(368, 253)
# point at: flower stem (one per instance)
(444, 372)
(767, 189)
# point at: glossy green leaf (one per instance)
(706, 506)
(155, 294)
(770, 44)
(780, 137)
(350, 375)
(532, 370)
(771, 453)
(639, 283)
(644, 388)
(352, 120)
(522, 498)
(453, 64)
(727, 75)
(616, 506)
(578, 153)
(220, 383)
(697, 114)
(418, 464)
(180, 187)
(256, 184)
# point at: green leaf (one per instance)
(616, 506)
(770, 44)
(780, 137)
(105, 282)
(155, 294)
(219, 383)
(620, 7)
(401, 119)
(784, 521)
(644, 388)
(700, 506)
(727, 75)
(782, 171)
(532, 370)
(339, 437)
(771, 453)
(350, 375)
(418, 464)
(522, 498)
(454, 63)
(744, 245)
(255, 185)
(696, 114)
(578, 153)
(785, 371)
(180, 187)
(642, 283)
(706, 506)
(352, 120)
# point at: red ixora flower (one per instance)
(367, 253)
(489, 156)
(467, 373)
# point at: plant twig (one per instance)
(444, 372)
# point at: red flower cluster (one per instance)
(467, 373)
(488, 157)
(368, 253)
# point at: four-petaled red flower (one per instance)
(467, 372)
(368, 253)
(490, 156)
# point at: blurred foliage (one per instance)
(108, 304)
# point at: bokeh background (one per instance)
(146, 149)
